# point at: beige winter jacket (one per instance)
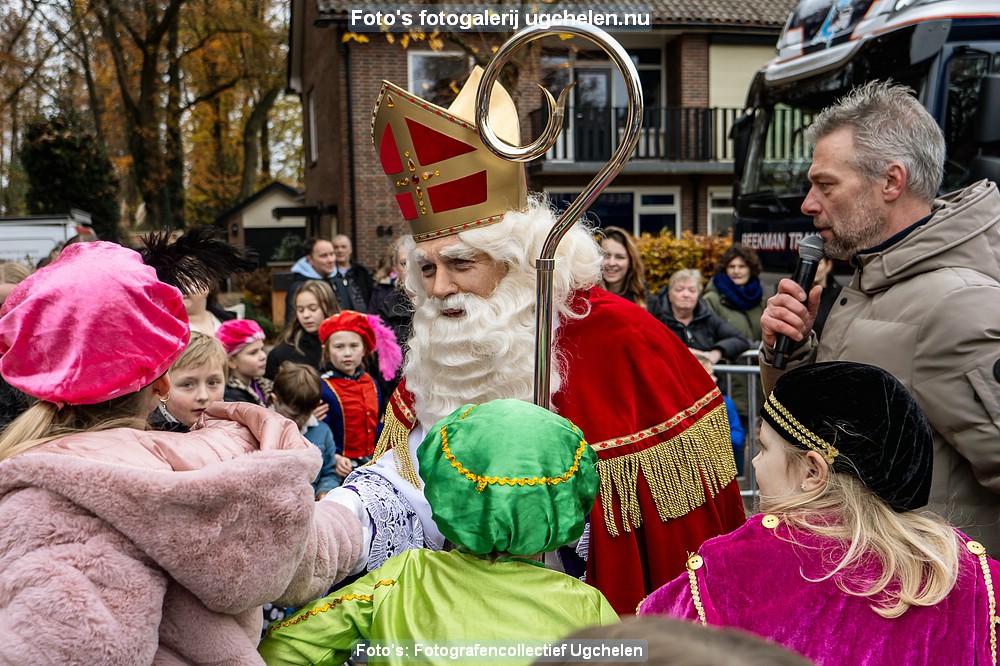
(927, 309)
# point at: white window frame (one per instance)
(639, 209)
(676, 209)
(713, 209)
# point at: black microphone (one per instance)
(810, 254)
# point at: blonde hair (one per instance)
(46, 421)
(918, 551)
(13, 272)
(386, 261)
(201, 350)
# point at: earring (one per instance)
(164, 398)
(802, 485)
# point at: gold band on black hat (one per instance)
(803, 434)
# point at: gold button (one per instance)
(695, 562)
(975, 548)
(770, 521)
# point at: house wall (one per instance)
(699, 72)
(371, 63)
(324, 79)
(731, 69)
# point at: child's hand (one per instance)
(320, 496)
(321, 410)
(344, 466)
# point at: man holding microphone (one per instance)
(924, 301)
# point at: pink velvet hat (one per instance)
(236, 334)
(94, 325)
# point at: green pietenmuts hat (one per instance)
(862, 421)
(508, 476)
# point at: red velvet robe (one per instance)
(659, 426)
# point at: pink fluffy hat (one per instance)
(102, 321)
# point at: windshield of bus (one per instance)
(779, 153)
(779, 156)
(965, 69)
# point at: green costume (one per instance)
(502, 477)
(429, 597)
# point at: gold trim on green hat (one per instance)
(482, 481)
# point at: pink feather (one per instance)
(390, 356)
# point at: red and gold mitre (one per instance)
(444, 179)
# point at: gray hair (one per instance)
(685, 275)
(889, 125)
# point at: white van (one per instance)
(30, 238)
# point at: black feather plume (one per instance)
(196, 261)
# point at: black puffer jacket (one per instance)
(707, 331)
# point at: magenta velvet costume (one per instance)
(755, 579)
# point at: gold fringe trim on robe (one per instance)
(396, 435)
(674, 470)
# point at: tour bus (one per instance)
(947, 51)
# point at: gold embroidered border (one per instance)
(397, 399)
(674, 470)
(638, 606)
(327, 606)
(654, 430)
(991, 598)
(457, 229)
(799, 431)
(696, 596)
(482, 481)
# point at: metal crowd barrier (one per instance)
(745, 369)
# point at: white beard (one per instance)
(485, 355)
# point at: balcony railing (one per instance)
(668, 134)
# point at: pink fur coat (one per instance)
(132, 547)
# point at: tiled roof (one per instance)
(757, 13)
(739, 12)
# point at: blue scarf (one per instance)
(740, 298)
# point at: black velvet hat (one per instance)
(862, 421)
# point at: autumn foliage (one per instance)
(663, 254)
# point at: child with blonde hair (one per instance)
(157, 547)
(197, 378)
(842, 566)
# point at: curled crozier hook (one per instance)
(546, 261)
(533, 150)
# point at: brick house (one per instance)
(695, 64)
